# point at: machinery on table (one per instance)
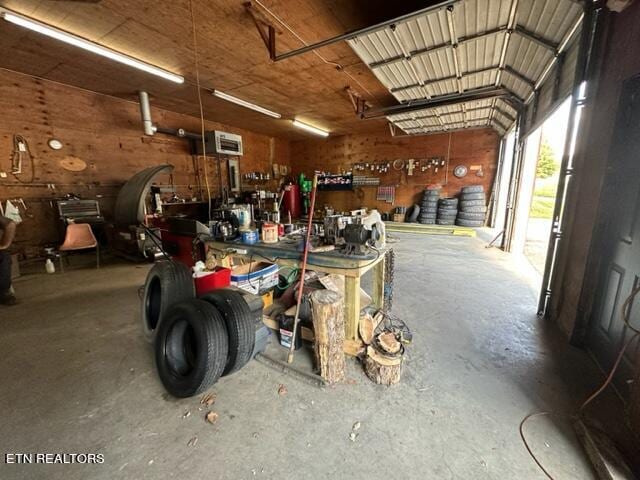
(357, 233)
(367, 232)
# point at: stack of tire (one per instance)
(472, 207)
(447, 211)
(429, 205)
(196, 340)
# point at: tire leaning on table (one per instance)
(191, 347)
(240, 323)
(167, 283)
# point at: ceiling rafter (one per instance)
(442, 100)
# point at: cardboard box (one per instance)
(255, 277)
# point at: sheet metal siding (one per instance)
(550, 19)
(545, 95)
(416, 59)
(569, 67)
(567, 74)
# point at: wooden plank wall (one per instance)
(106, 133)
(335, 154)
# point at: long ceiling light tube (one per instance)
(311, 129)
(87, 45)
(244, 103)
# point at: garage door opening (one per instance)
(545, 186)
(542, 159)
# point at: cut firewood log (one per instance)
(328, 326)
(381, 369)
(365, 328)
(389, 342)
(368, 324)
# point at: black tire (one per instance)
(431, 194)
(429, 211)
(470, 223)
(471, 216)
(478, 209)
(428, 221)
(447, 218)
(447, 210)
(429, 206)
(191, 347)
(446, 221)
(412, 214)
(473, 189)
(428, 215)
(167, 283)
(448, 202)
(240, 324)
(471, 203)
(472, 196)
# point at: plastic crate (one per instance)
(208, 281)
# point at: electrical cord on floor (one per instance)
(626, 308)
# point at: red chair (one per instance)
(79, 236)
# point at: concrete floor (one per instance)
(77, 376)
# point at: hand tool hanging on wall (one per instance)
(20, 154)
(305, 254)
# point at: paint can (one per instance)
(250, 237)
(269, 232)
(280, 230)
(288, 228)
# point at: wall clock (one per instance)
(460, 171)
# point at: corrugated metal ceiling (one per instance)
(469, 45)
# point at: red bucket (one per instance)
(207, 281)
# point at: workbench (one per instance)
(286, 254)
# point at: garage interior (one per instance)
(275, 238)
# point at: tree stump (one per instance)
(380, 369)
(328, 325)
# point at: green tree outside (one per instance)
(547, 164)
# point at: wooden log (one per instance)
(367, 326)
(380, 369)
(328, 326)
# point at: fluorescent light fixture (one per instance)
(87, 45)
(311, 129)
(244, 103)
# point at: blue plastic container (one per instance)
(250, 237)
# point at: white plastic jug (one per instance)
(49, 266)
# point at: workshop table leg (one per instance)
(378, 284)
(351, 307)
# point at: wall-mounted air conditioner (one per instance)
(219, 142)
(228, 143)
